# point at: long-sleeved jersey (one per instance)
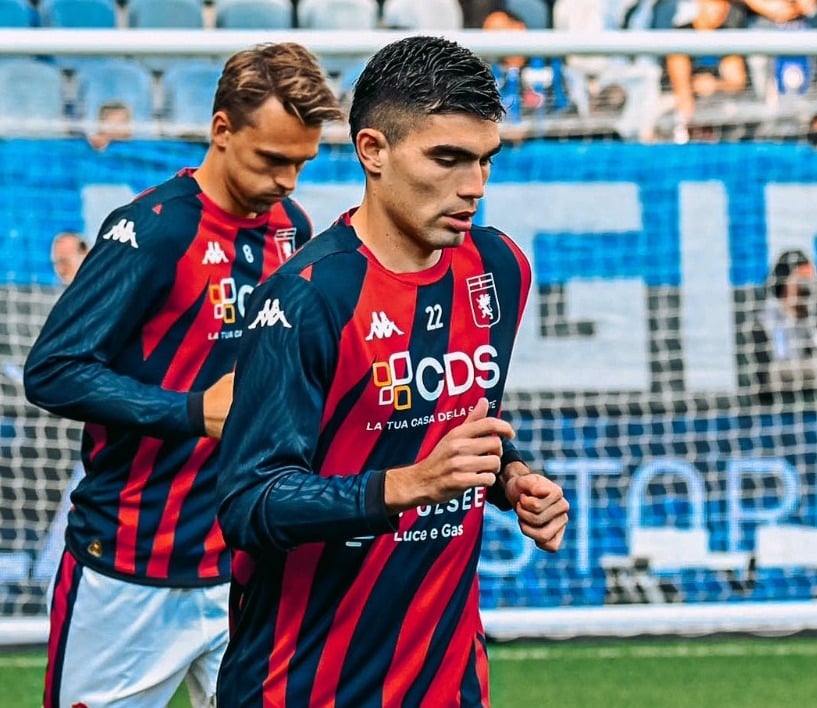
(153, 318)
(346, 370)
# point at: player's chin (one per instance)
(449, 238)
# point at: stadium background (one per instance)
(631, 385)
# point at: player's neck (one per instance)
(393, 249)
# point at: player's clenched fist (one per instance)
(540, 506)
(468, 456)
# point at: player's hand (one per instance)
(217, 401)
(468, 456)
(541, 508)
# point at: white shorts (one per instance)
(115, 643)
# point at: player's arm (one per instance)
(73, 369)
(272, 497)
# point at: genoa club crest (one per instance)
(285, 243)
(484, 301)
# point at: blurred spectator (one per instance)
(68, 250)
(114, 122)
(474, 12)
(700, 77)
(516, 96)
(505, 20)
(772, 76)
(627, 87)
(422, 14)
(784, 336)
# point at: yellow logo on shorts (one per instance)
(95, 548)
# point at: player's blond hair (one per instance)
(287, 71)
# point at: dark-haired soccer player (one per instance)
(141, 347)
(364, 440)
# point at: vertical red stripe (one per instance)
(448, 679)
(299, 571)
(165, 536)
(130, 502)
(99, 436)
(351, 445)
(427, 608)
(483, 669)
(278, 219)
(191, 279)
(346, 619)
(214, 545)
(59, 617)
(525, 274)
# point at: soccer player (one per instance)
(142, 347)
(364, 438)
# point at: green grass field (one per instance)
(702, 673)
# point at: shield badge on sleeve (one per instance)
(285, 243)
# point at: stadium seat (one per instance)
(338, 14)
(31, 97)
(17, 13)
(534, 13)
(101, 81)
(78, 13)
(422, 14)
(253, 14)
(166, 14)
(188, 90)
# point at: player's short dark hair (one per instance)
(286, 70)
(417, 77)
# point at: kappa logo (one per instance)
(484, 300)
(285, 242)
(214, 254)
(269, 315)
(382, 327)
(123, 232)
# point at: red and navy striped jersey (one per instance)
(153, 318)
(347, 369)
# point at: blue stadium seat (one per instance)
(337, 14)
(101, 81)
(169, 14)
(253, 14)
(17, 13)
(31, 97)
(423, 14)
(534, 13)
(188, 89)
(78, 13)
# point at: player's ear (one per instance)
(370, 145)
(219, 128)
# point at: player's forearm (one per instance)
(295, 507)
(92, 393)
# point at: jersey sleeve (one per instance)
(71, 369)
(273, 499)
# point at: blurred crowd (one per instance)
(639, 98)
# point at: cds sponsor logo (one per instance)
(398, 379)
(227, 299)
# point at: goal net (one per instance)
(686, 442)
